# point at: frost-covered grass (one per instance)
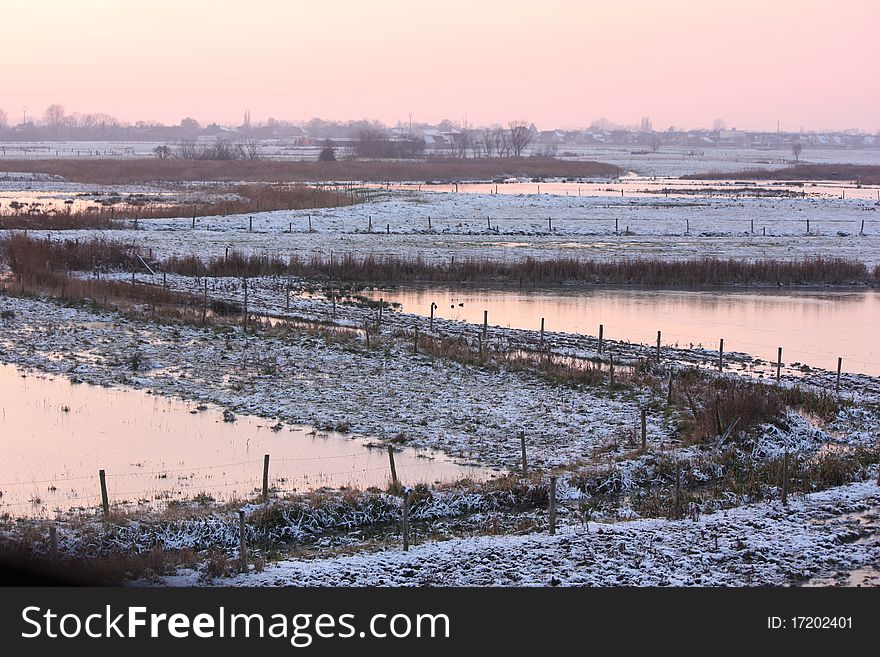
(755, 545)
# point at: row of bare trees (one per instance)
(220, 149)
(494, 142)
(373, 142)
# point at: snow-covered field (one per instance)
(473, 413)
(518, 227)
(678, 161)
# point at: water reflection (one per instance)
(813, 327)
(55, 436)
(640, 186)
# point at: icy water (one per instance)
(813, 327)
(14, 202)
(56, 435)
(643, 186)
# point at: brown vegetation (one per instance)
(109, 172)
(27, 256)
(242, 199)
(394, 270)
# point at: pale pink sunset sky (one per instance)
(809, 64)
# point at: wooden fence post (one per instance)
(552, 514)
(779, 365)
(721, 355)
(245, 314)
(719, 421)
(658, 346)
(242, 543)
(542, 330)
(105, 503)
(205, 302)
(785, 478)
(485, 322)
(53, 543)
(611, 369)
(839, 365)
(677, 507)
(265, 477)
(601, 336)
(394, 481)
(433, 305)
(522, 442)
(644, 429)
(406, 520)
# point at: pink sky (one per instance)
(806, 63)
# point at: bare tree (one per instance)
(187, 149)
(654, 142)
(796, 148)
(54, 118)
(520, 136)
(250, 148)
(463, 141)
(502, 142)
(491, 145)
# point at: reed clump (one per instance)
(396, 270)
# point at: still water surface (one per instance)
(55, 436)
(813, 327)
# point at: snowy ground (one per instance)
(678, 161)
(475, 414)
(759, 545)
(585, 227)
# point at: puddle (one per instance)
(56, 435)
(869, 575)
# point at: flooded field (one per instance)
(56, 436)
(35, 201)
(643, 186)
(813, 327)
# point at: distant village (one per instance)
(374, 139)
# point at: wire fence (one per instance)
(280, 484)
